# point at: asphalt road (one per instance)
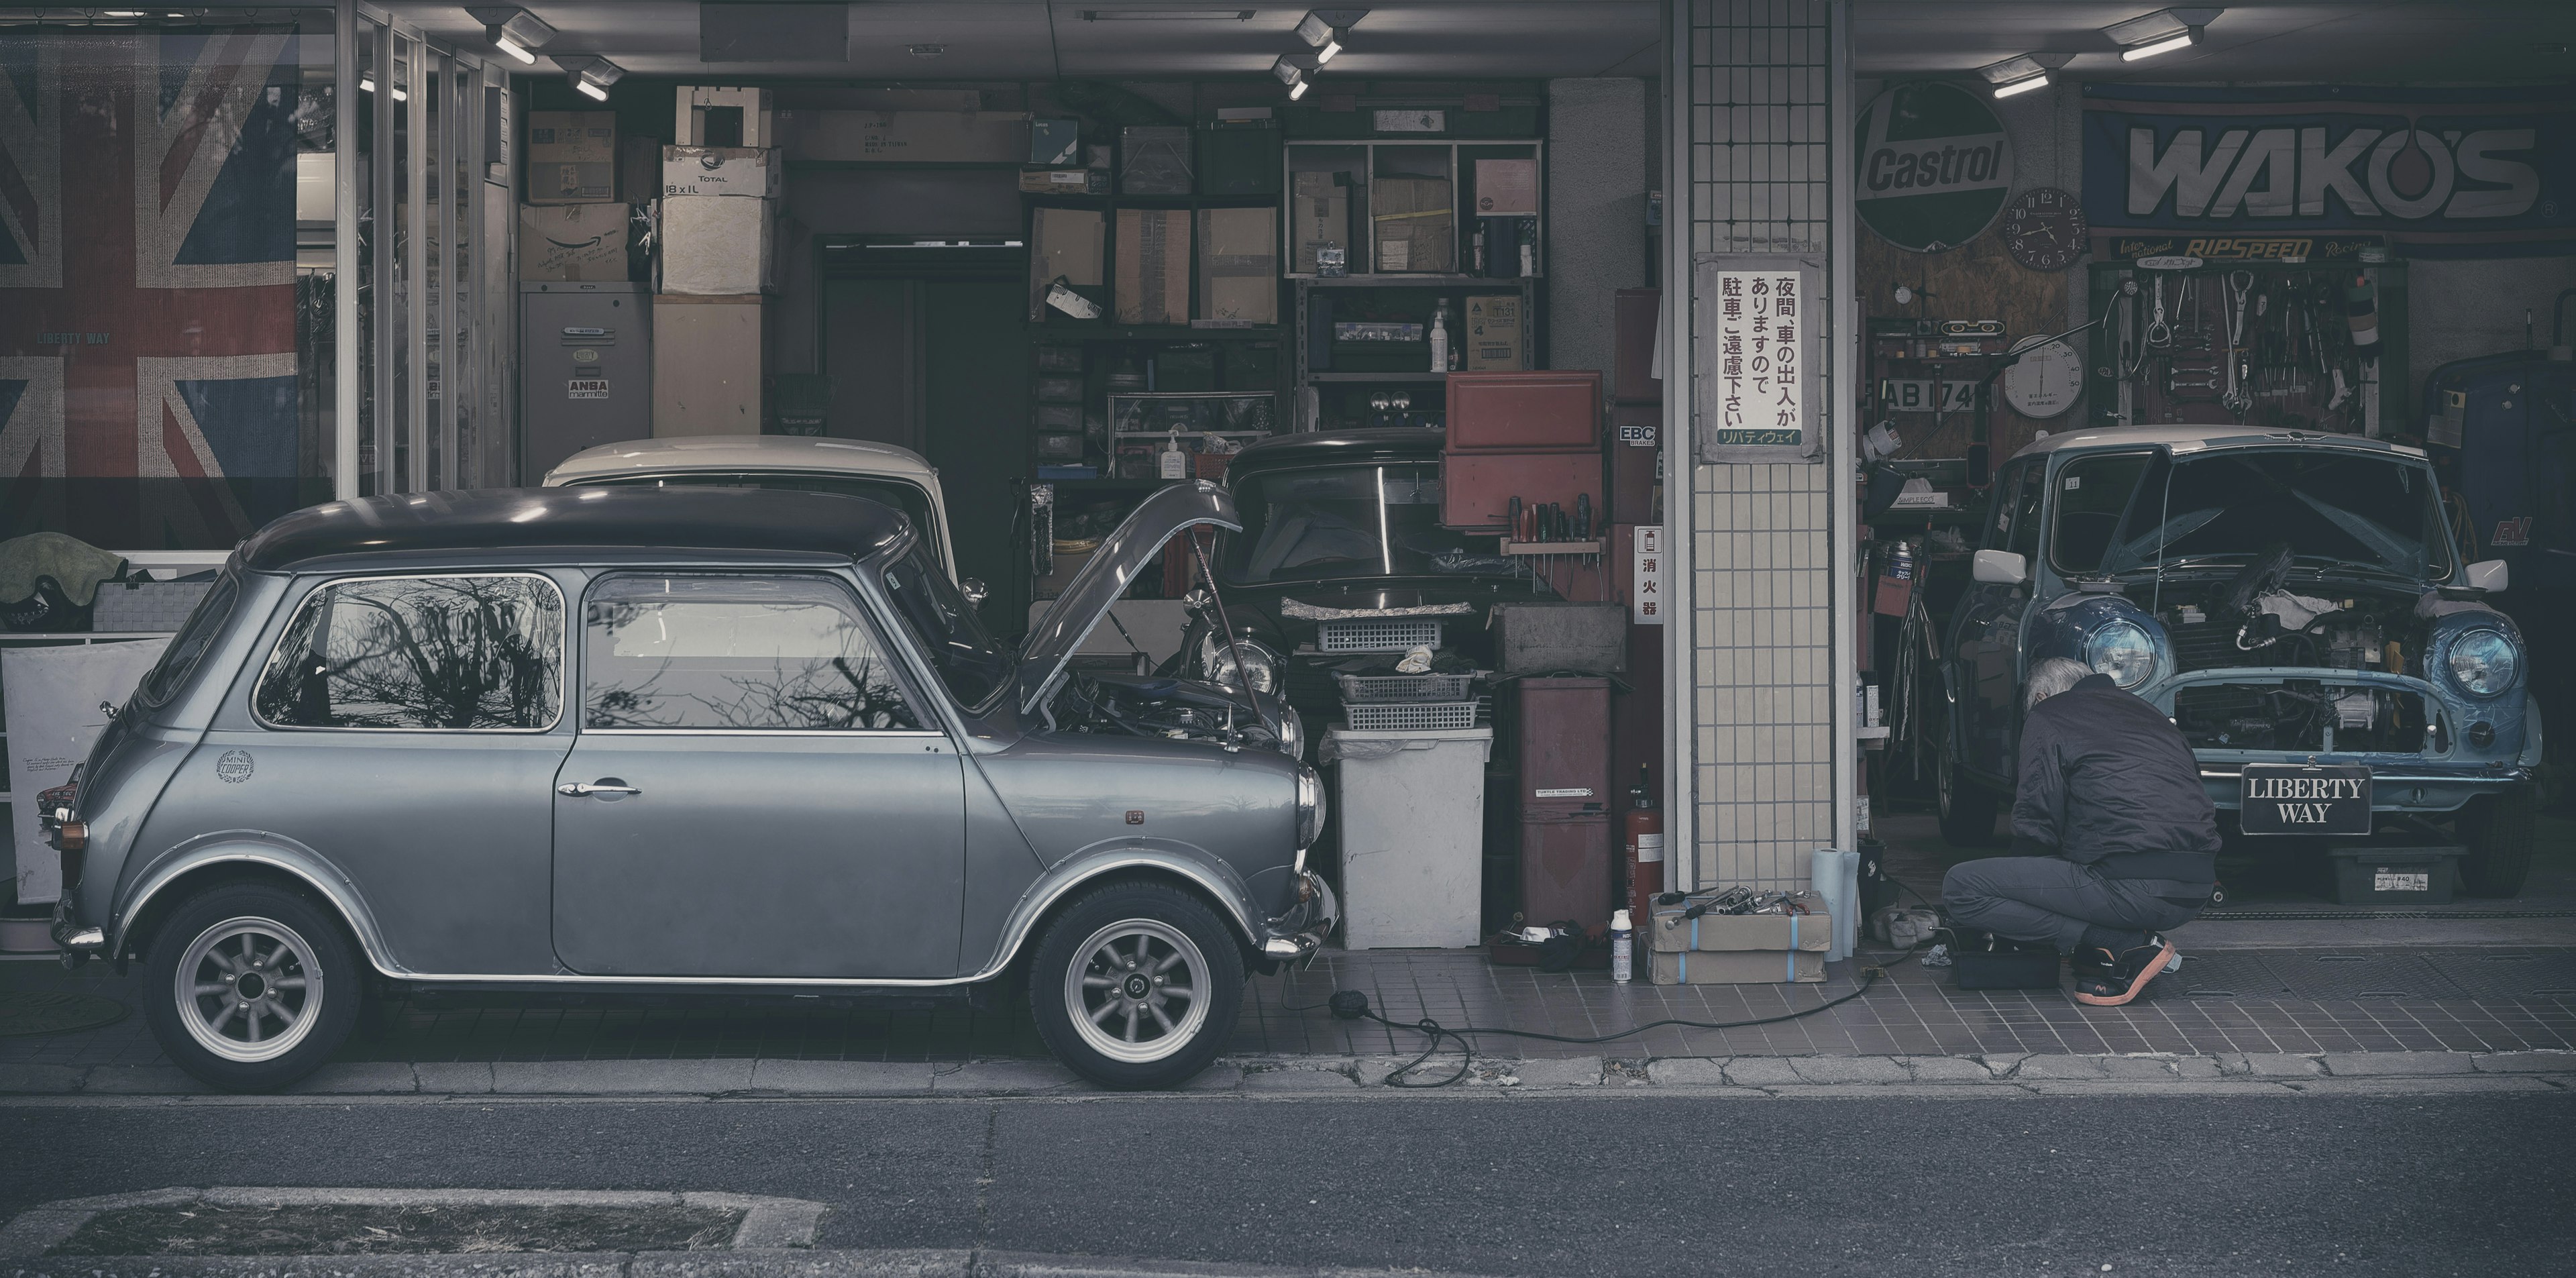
(1521, 1185)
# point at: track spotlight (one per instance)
(2163, 31)
(512, 30)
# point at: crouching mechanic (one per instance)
(2114, 840)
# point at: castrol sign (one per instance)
(1935, 166)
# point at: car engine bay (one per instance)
(1158, 706)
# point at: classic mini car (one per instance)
(1341, 542)
(884, 473)
(715, 740)
(2294, 601)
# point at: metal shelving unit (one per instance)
(1303, 376)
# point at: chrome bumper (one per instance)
(77, 943)
(1321, 913)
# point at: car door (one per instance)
(1985, 665)
(756, 790)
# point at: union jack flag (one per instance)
(148, 393)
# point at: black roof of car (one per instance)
(1340, 447)
(620, 520)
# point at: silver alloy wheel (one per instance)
(248, 989)
(1137, 990)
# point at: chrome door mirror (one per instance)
(975, 590)
(2001, 568)
(2489, 575)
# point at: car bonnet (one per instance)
(1122, 554)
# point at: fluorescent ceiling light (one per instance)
(1167, 15)
(2022, 73)
(590, 90)
(2163, 31)
(1326, 54)
(1298, 90)
(512, 30)
(590, 73)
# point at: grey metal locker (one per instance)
(585, 368)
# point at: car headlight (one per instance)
(1310, 807)
(2121, 650)
(1217, 657)
(2484, 662)
(1292, 734)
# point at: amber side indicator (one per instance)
(72, 836)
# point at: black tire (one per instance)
(290, 940)
(1967, 809)
(1095, 939)
(2498, 832)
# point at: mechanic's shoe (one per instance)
(2127, 976)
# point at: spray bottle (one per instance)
(1440, 337)
(1623, 948)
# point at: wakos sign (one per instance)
(2478, 172)
(1935, 166)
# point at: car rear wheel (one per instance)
(1967, 809)
(1137, 985)
(2498, 832)
(251, 987)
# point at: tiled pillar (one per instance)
(1759, 97)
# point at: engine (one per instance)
(1161, 706)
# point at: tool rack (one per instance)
(2286, 351)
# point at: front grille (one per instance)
(2208, 647)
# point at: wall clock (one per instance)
(2046, 380)
(2044, 228)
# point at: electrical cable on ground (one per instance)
(1352, 1005)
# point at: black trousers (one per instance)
(2047, 898)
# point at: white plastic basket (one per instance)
(1378, 634)
(1382, 689)
(1409, 716)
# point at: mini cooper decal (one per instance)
(234, 766)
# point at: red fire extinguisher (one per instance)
(1642, 829)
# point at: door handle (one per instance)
(605, 785)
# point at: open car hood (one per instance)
(1171, 510)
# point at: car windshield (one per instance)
(903, 496)
(2328, 507)
(969, 662)
(1376, 520)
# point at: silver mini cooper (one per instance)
(666, 742)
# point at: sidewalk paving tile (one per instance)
(1688, 1071)
(2526, 1063)
(2405, 1064)
(1849, 1069)
(699, 1078)
(1946, 1069)
(40, 1079)
(1580, 1071)
(359, 1078)
(2274, 1065)
(1299, 1080)
(454, 1078)
(1005, 1078)
(1762, 1071)
(841, 1078)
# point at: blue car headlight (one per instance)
(2484, 662)
(2122, 650)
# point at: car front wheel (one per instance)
(251, 987)
(1137, 985)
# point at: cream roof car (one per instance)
(769, 455)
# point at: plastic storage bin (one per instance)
(1411, 807)
(2366, 875)
(1381, 689)
(1412, 716)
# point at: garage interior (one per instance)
(1068, 251)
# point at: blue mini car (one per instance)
(2295, 601)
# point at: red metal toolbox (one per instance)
(1564, 745)
(1477, 488)
(1556, 411)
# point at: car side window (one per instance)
(738, 654)
(2015, 525)
(469, 653)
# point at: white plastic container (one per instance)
(1411, 807)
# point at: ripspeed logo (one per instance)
(2403, 173)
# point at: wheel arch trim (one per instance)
(296, 862)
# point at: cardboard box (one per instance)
(1153, 266)
(572, 157)
(1239, 265)
(1055, 142)
(1066, 243)
(718, 245)
(713, 115)
(1496, 337)
(1416, 224)
(946, 137)
(706, 366)
(1319, 216)
(1506, 187)
(722, 170)
(1671, 933)
(572, 242)
(1738, 967)
(1154, 159)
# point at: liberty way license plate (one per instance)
(2305, 798)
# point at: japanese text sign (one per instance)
(1756, 354)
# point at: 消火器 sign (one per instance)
(2470, 172)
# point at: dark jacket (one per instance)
(2107, 781)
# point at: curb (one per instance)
(1311, 1076)
(768, 1224)
(674, 1264)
